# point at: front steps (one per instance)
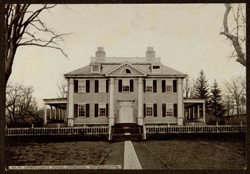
(126, 131)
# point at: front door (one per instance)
(126, 112)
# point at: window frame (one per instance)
(102, 86)
(95, 66)
(149, 83)
(102, 109)
(169, 83)
(169, 106)
(149, 106)
(85, 110)
(128, 81)
(82, 83)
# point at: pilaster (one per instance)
(70, 116)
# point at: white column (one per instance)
(204, 111)
(189, 113)
(193, 112)
(59, 113)
(180, 101)
(140, 102)
(111, 102)
(45, 114)
(55, 113)
(198, 112)
(70, 116)
(50, 112)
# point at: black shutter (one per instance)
(107, 110)
(96, 86)
(154, 86)
(144, 85)
(87, 86)
(87, 110)
(75, 86)
(163, 109)
(75, 110)
(96, 110)
(120, 86)
(107, 86)
(174, 85)
(175, 110)
(163, 86)
(131, 85)
(144, 108)
(155, 110)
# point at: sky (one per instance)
(185, 36)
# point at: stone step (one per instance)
(122, 125)
(124, 137)
(136, 130)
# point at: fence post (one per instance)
(58, 125)
(32, 126)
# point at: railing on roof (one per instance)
(196, 129)
(56, 131)
(124, 59)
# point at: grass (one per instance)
(204, 154)
(57, 153)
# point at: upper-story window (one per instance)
(126, 85)
(169, 85)
(81, 86)
(156, 68)
(101, 86)
(150, 85)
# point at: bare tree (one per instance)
(62, 86)
(236, 91)
(21, 108)
(237, 35)
(23, 28)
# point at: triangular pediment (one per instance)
(126, 69)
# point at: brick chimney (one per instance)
(100, 52)
(150, 52)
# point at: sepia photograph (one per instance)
(125, 86)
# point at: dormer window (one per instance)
(95, 68)
(156, 68)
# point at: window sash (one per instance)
(169, 110)
(126, 85)
(81, 86)
(102, 110)
(102, 86)
(149, 85)
(169, 85)
(149, 110)
(81, 110)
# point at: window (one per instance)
(95, 68)
(169, 109)
(169, 85)
(125, 85)
(149, 85)
(81, 110)
(81, 86)
(149, 110)
(156, 67)
(126, 71)
(102, 110)
(102, 86)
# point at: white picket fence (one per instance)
(196, 129)
(56, 131)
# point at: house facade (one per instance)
(139, 90)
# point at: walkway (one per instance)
(130, 158)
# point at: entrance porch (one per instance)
(194, 111)
(56, 113)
